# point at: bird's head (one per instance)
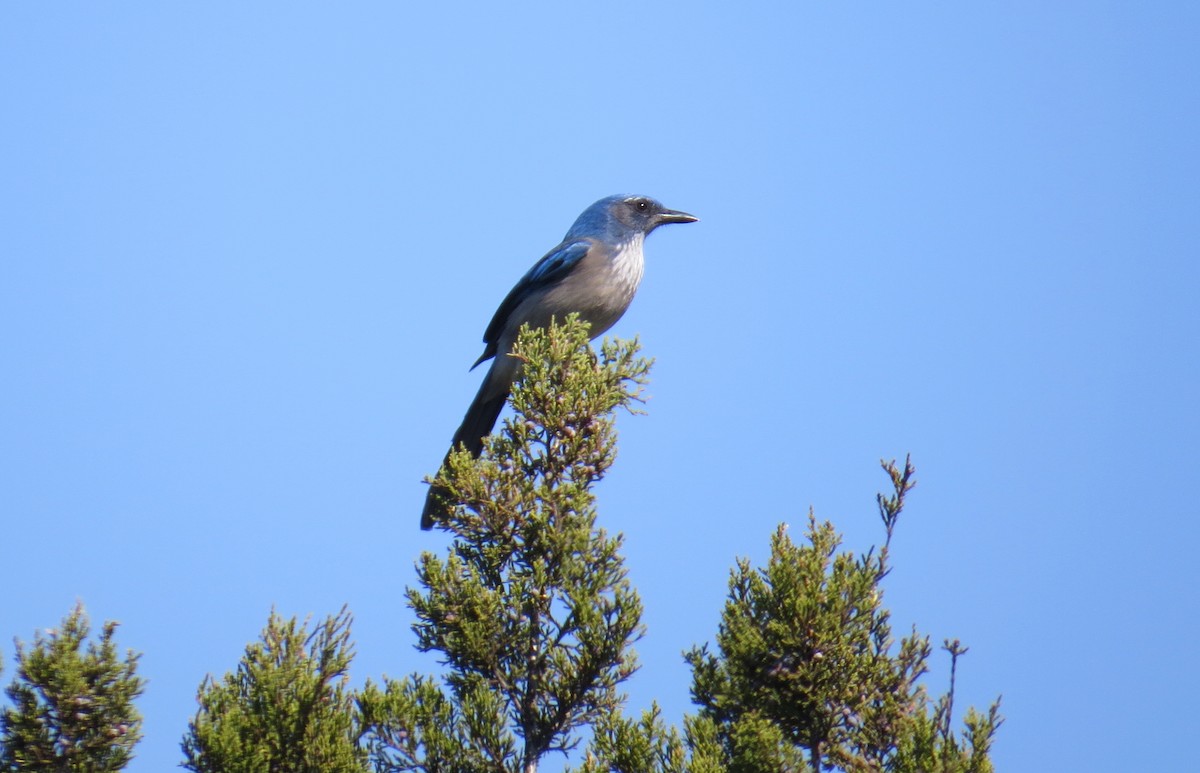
(621, 217)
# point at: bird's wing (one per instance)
(553, 266)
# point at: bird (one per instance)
(593, 272)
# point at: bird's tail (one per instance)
(476, 425)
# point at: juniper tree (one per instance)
(285, 708)
(807, 673)
(72, 709)
(530, 609)
(929, 744)
(648, 745)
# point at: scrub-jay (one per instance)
(594, 272)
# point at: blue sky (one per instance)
(249, 251)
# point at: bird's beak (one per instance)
(675, 216)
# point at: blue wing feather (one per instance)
(554, 265)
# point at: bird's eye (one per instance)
(642, 206)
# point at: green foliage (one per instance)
(533, 614)
(72, 710)
(621, 745)
(286, 708)
(414, 725)
(808, 671)
(930, 746)
(531, 608)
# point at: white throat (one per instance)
(629, 264)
